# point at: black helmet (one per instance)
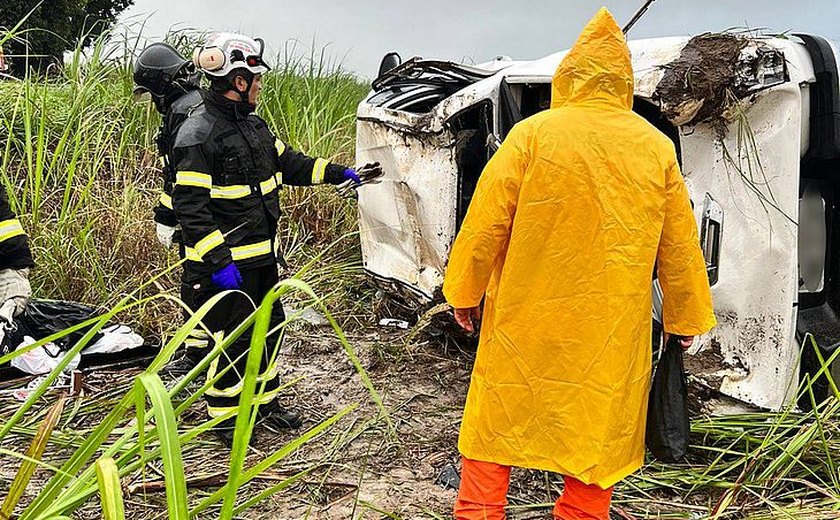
(157, 67)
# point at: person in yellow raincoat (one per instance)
(560, 240)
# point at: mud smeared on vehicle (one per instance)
(713, 73)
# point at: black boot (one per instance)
(274, 415)
(224, 431)
(179, 367)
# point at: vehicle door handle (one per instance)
(493, 143)
(711, 231)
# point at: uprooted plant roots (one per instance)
(701, 84)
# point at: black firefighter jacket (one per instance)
(229, 169)
(14, 246)
(177, 111)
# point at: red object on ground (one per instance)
(483, 495)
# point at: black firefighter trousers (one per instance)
(223, 319)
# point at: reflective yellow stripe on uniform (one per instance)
(281, 147)
(319, 170)
(198, 338)
(238, 252)
(234, 390)
(250, 251)
(199, 333)
(196, 343)
(194, 179)
(218, 411)
(9, 229)
(165, 200)
(236, 191)
(268, 186)
(209, 243)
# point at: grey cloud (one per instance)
(360, 32)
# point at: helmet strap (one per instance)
(159, 104)
(249, 80)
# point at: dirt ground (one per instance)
(360, 468)
(366, 472)
(369, 472)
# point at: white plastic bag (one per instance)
(115, 338)
(43, 359)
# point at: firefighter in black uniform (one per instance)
(229, 169)
(15, 263)
(173, 84)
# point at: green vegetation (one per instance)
(49, 28)
(77, 158)
(124, 446)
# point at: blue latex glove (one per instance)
(351, 175)
(227, 278)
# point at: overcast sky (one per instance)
(360, 32)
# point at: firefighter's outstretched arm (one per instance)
(299, 169)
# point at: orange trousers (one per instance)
(483, 495)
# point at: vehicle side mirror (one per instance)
(389, 61)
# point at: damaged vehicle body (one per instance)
(756, 125)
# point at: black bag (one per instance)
(43, 318)
(668, 427)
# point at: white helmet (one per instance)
(225, 52)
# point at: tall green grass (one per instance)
(125, 446)
(77, 158)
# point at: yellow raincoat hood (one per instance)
(560, 241)
(597, 69)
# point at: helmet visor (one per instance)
(256, 60)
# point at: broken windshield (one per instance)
(419, 85)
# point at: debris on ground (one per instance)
(44, 318)
(449, 477)
(309, 315)
(392, 322)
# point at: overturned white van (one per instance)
(756, 122)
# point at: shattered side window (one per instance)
(410, 98)
(419, 85)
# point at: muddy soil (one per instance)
(369, 471)
(365, 472)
